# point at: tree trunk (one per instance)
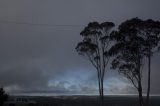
(100, 93)
(149, 74)
(102, 98)
(99, 86)
(141, 103)
(140, 84)
(140, 95)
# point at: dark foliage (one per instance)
(129, 52)
(3, 96)
(135, 40)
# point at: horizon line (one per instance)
(54, 95)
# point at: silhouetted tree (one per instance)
(3, 96)
(128, 52)
(150, 31)
(94, 47)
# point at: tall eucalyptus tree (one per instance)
(150, 31)
(128, 52)
(95, 46)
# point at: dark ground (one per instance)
(91, 101)
(86, 100)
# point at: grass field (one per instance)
(90, 100)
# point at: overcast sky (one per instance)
(38, 39)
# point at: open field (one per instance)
(89, 100)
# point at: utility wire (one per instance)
(40, 24)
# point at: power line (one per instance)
(40, 24)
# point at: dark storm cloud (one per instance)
(41, 58)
